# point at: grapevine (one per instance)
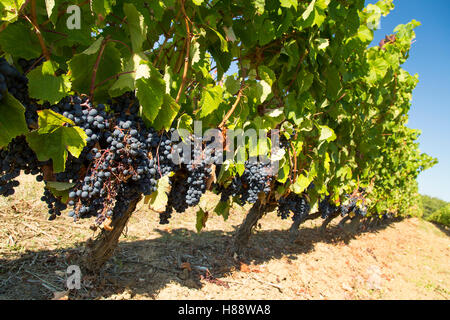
(93, 112)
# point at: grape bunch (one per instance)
(164, 217)
(199, 170)
(54, 204)
(178, 193)
(28, 65)
(297, 204)
(122, 160)
(7, 183)
(17, 157)
(284, 142)
(361, 210)
(176, 197)
(124, 104)
(73, 169)
(3, 86)
(162, 148)
(15, 83)
(387, 216)
(120, 163)
(326, 208)
(351, 204)
(160, 145)
(189, 183)
(256, 179)
(92, 120)
(233, 190)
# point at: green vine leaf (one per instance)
(50, 5)
(82, 65)
(9, 9)
(289, 3)
(259, 6)
(44, 85)
(103, 7)
(211, 99)
(185, 122)
(168, 114)
(55, 140)
(283, 173)
(202, 217)
(232, 85)
(326, 133)
(223, 209)
(60, 189)
(223, 42)
(12, 119)
(136, 26)
(28, 46)
(150, 90)
(267, 74)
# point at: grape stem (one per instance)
(34, 23)
(186, 58)
(34, 64)
(97, 63)
(233, 107)
(112, 77)
(297, 69)
(166, 38)
(122, 43)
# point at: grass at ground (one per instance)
(409, 259)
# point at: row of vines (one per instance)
(92, 93)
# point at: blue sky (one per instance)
(430, 58)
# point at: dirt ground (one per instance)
(409, 259)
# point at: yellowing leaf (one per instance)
(157, 201)
(301, 183)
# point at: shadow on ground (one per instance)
(145, 267)
(441, 227)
